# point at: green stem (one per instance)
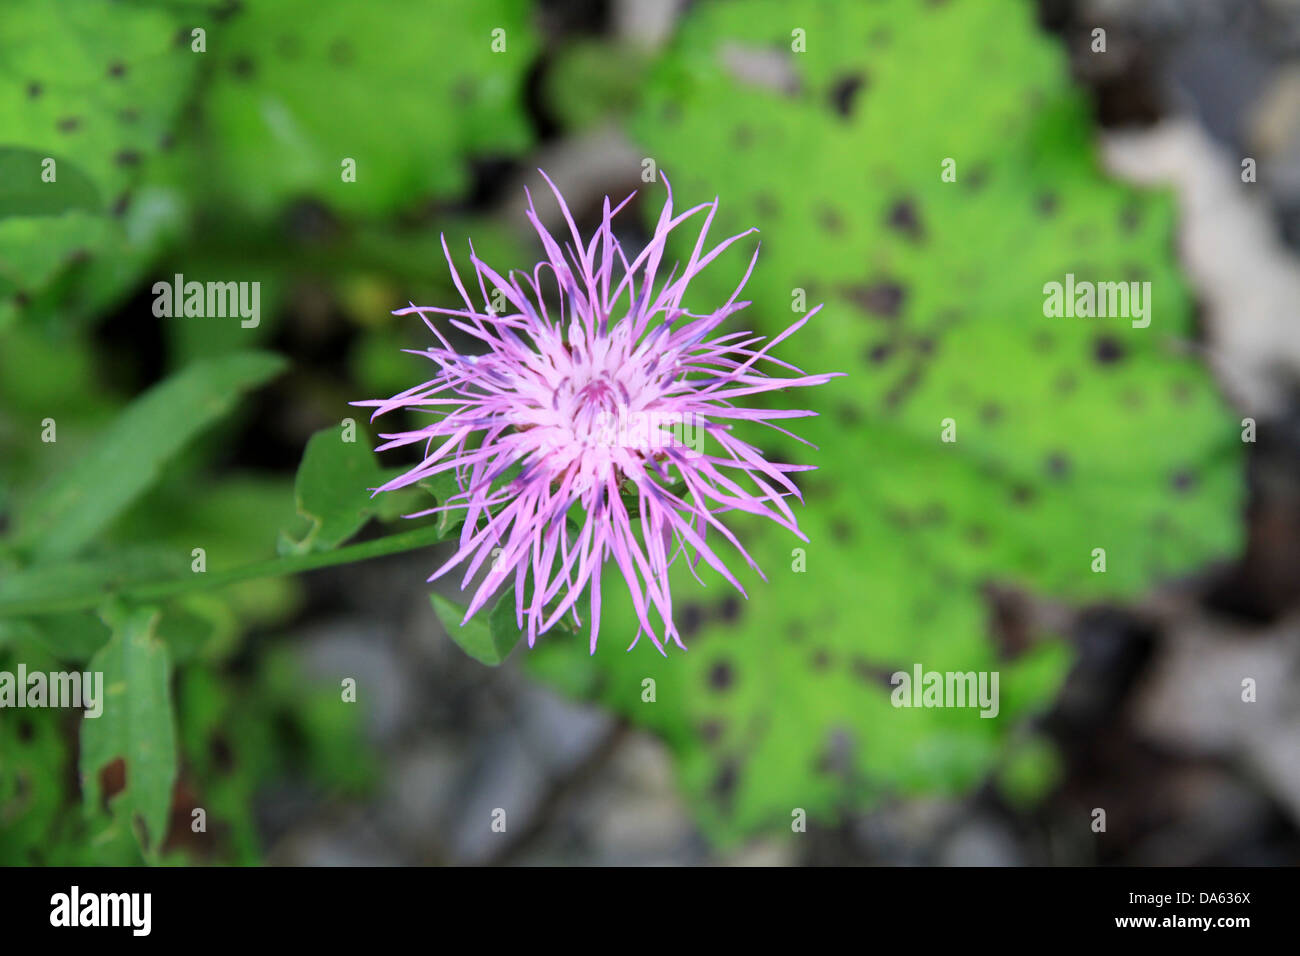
(270, 568)
(151, 591)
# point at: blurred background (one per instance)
(214, 140)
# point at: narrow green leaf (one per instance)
(136, 727)
(482, 641)
(81, 502)
(333, 489)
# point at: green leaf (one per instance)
(23, 192)
(101, 83)
(333, 489)
(34, 766)
(1072, 434)
(136, 727)
(296, 86)
(1030, 771)
(443, 486)
(488, 643)
(82, 501)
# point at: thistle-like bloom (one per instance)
(607, 399)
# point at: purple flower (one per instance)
(606, 398)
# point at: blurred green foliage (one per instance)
(230, 162)
(1072, 434)
(210, 140)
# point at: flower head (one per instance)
(604, 403)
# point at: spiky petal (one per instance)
(610, 396)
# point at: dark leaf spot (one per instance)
(69, 123)
(1130, 217)
(821, 660)
(1058, 466)
(223, 758)
(1047, 204)
(243, 66)
(127, 157)
(977, 177)
(1183, 481)
(845, 92)
(711, 731)
(767, 205)
(1010, 623)
(1107, 350)
(724, 785)
(879, 352)
(690, 619)
(34, 90)
(831, 221)
(112, 780)
(871, 674)
(895, 396)
(884, 299)
(730, 609)
(903, 218)
(117, 69)
(721, 676)
(837, 757)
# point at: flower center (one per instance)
(594, 413)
